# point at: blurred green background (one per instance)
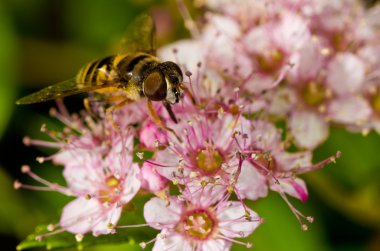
(43, 41)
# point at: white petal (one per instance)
(131, 184)
(265, 135)
(81, 215)
(216, 245)
(346, 73)
(172, 243)
(308, 129)
(349, 110)
(111, 216)
(185, 55)
(158, 215)
(291, 161)
(281, 101)
(251, 184)
(226, 216)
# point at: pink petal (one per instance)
(309, 129)
(216, 245)
(112, 217)
(131, 184)
(251, 184)
(349, 110)
(265, 136)
(293, 161)
(281, 101)
(346, 73)
(234, 211)
(173, 242)
(151, 180)
(293, 187)
(159, 215)
(81, 216)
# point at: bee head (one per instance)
(173, 78)
(164, 83)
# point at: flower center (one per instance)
(209, 159)
(270, 62)
(198, 224)
(314, 94)
(375, 101)
(111, 190)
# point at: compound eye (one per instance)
(155, 86)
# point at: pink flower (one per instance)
(103, 184)
(187, 225)
(204, 150)
(98, 170)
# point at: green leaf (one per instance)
(359, 163)
(7, 69)
(13, 208)
(133, 214)
(67, 240)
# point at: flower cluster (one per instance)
(317, 61)
(252, 63)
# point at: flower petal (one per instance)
(346, 73)
(159, 215)
(173, 242)
(82, 215)
(251, 184)
(309, 129)
(293, 187)
(349, 110)
(232, 223)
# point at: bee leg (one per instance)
(86, 104)
(111, 109)
(157, 119)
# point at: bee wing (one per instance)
(63, 89)
(140, 36)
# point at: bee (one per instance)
(135, 71)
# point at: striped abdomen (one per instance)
(128, 70)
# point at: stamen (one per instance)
(246, 244)
(321, 164)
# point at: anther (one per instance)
(26, 141)
(40, 160)
(25, 169)
(53, 112)
(140, 155)
(188, 73)
(304, 227)
(50, 227)
(310, 219)
(43, 128)
(17, 184)
(79, 237)
(143, 245)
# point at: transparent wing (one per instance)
(140, 36)
(63, 89)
